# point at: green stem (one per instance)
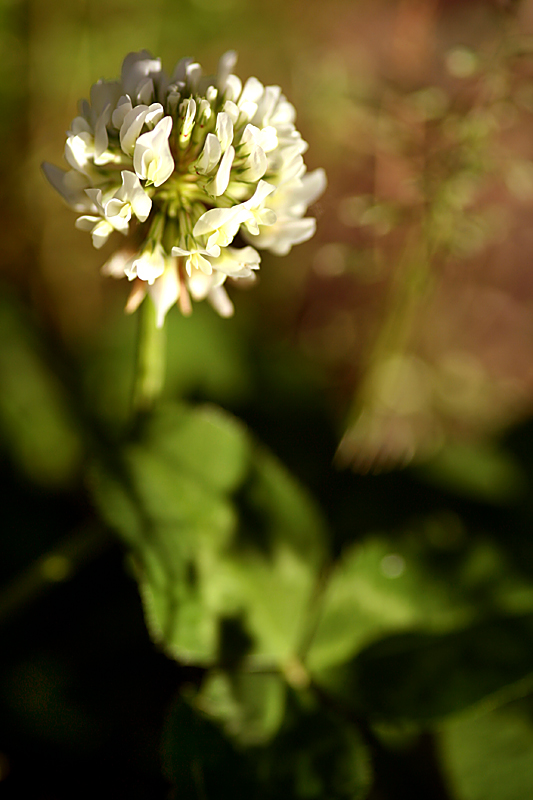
(151, 361)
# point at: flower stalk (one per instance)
(151, 360)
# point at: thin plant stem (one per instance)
(151, 360)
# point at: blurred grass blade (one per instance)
(36, 425)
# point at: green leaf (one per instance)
(208, 445)
(169, 509)
(382, 585)
(35, 420)
(249, 706)
(219, 529)
(424, 677)
(434, 576)
(278, 556)
(490, 757)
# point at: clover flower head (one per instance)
(196, 172)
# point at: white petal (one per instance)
(215, 218)
(173, 99)
(123, 107)
(79, 150)
(95, 196)
(193, 73)
(148, 266)
(252, 91)
(224, 130)
(255, 165)
(118, 214)
(313, 184)
(248, 109)
(292, 198)
(116, 265)
(219, 184)
(293, 168)
(237, 262)
(71, 186)
(210, 155)
(104, 93)
(131, 128)
(284, 114)
(188, 111)
(179, 251)
(233, 87)
(290, 233)
(267, 105)
(155, 113)
(152, 159)
(137, 66)
(180, 71)
(211, 94)
(194, 251)
(266, 216)
(199, 284)
(232, 110)
(204, 111)
(220, 301)
(145, 91)
(101, 139)
(80, 125)
(132, 192)
(263, 190)
(98, 227)
(200, 262)
(164, 292)
(86, 222)
(249, 134)
(225, 66)
(268, 138)
(117, 208)
(133, 124)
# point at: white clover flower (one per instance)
(195, 257)
(237, 262)
(100, 229)
(257, 213)
(289, 203)
(220, 225)
(148, 265)
(190, 169)
(152, 158)
(129, 199)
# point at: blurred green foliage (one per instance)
(312, 633)
(37, 424)
(314, 756)
(319, 658)
(219, 530)
(489, 756)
